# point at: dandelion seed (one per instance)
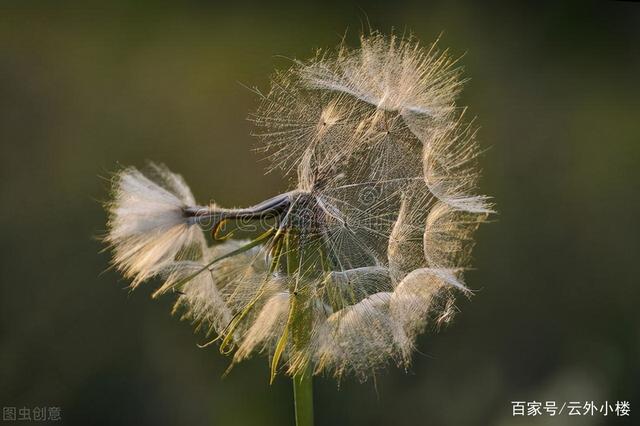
(147, 227)
(364, 252)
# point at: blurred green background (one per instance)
(85, 87)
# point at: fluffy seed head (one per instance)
(365, 251)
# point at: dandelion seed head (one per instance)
(369, 246)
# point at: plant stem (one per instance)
(303, 398)
(300, 326)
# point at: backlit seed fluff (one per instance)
(367, 249)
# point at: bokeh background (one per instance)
(84, 88)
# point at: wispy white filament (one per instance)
(147, 227)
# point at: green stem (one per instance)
(300, 324)
(303, 398)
